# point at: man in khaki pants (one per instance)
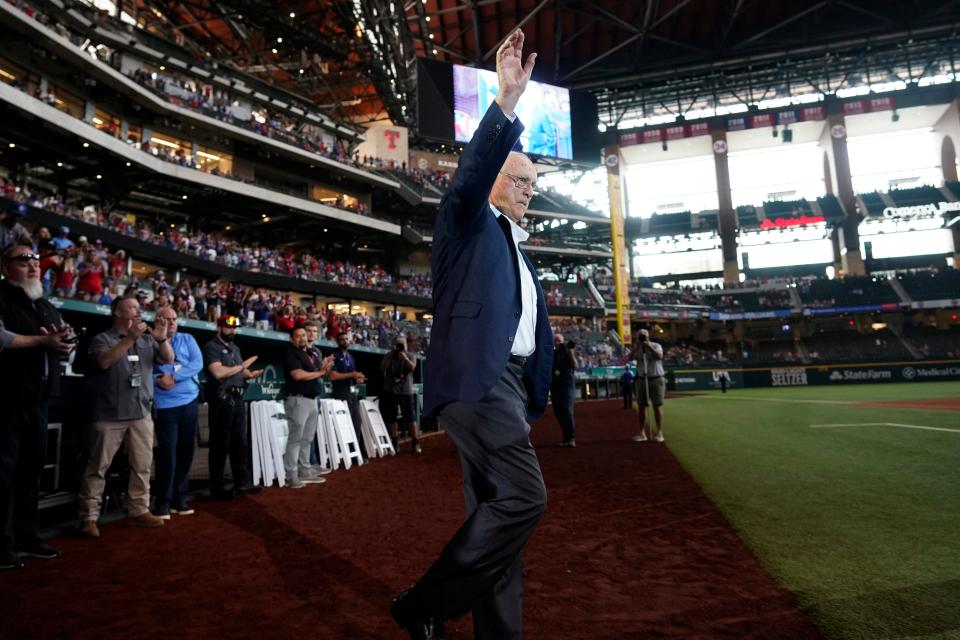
(124, 355)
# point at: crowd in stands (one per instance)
(216, 247)
(219, 104)
(182, 158)
(415, 177)
(90, 272)
(566, 295)
(755, 301)
(680, 296)
(692, 354)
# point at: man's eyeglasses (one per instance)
(520, 182)
(24, 257)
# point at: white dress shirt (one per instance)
(525, 342)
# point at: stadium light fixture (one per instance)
(99, 177)
(59, 164)
(274, 50)
(86, 144)
(292, 15)
(12, 145)
(279, 40)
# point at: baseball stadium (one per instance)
(258, 347)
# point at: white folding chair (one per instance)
(375, 431)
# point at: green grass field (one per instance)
(861, 522)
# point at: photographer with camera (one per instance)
(124, 356)
(562, 388)
(227, 373)
(398, 397)
(651, 385)
(33, 339)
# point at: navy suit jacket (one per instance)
(476, 284)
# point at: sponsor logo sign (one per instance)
(860, 375)
(269, 386)
(921, 209)
(789, 377)
(932, 372)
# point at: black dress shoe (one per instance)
(9, 561)
(221, 494)
(404, 611)
(36, 548)
(249, 488)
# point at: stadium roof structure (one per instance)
(639, 58)
(668, 57)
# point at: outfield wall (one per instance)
(699, 378)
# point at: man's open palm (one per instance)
(512, 74)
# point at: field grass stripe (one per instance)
(791, 400)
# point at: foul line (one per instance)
(884, 424)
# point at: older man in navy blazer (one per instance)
(487, 373)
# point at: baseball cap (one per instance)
(64, 229)
(228, 321)
(18, 209)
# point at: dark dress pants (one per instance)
(561, 397)
(480, 569)
(176, 434)
(23, 443)
(627, 395)
(228, 434)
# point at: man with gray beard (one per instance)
(29, 376)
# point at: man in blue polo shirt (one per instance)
(344, 379)
(176, 400)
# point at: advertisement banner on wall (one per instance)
(689, 379)
(703, 379)
(854, 373)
